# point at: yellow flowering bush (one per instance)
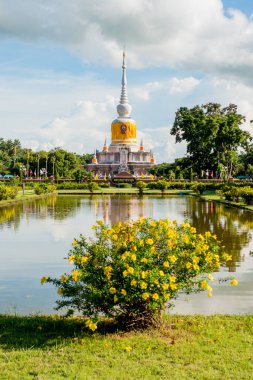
(131, 271)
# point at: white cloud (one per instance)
(190, 34)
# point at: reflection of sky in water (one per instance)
(36, 236)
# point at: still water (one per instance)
(35, 238)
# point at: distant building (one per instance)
(123, 156)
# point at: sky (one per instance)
(60, 67)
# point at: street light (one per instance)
(38, 165)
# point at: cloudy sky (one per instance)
(60, 67)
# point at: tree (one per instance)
(212, 134)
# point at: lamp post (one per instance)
(53, 162)
(38, 165)
(27, 163)
(46, 156)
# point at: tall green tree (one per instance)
(213, 135)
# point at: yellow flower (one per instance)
(204, 284)
(195, 266)
(165, 286)
(114, 237)
(60, 291)
(161, 273)
(156, 282)
(143, 285)
(227, 257)
(112, 290)
(173, 286)
(167, 296)
(123, 292)
(84, 259)
(210, 277)
(133, 282)
(155, 296)
(72, 259)
(131, 270)
(208, 234)
(141, 243)
(234, 282)
(153, 223)
(145, 296)
(75, 275)
(128, 349)
(125, 273)
(195, 260)
(172, 258)
(133, 257)
(74, 243)
(63, 278)
(150, 241)
(188, 265)
(172, 278)
(134, 248)
(144, 260)
(185, 239)
(166, 264)
(193, 230)
(143, 274)
(115, 298)
(43, 280)
(107, 269)
(91, 325)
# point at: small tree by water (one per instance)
(132, 270)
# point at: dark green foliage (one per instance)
(212, 134)
(124, 185)
(72, 186)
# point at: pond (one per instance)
(36, 236)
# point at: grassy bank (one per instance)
(186, 347)
(28, 195)
(212, 196)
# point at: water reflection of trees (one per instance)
(231, 225)
(53, 207)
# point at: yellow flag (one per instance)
(105, 177)
(142, 175)
(96, 176)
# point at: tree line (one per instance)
(24, 162)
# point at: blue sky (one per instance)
(60, 67)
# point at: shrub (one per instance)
(44, 188)
(12, 192)
(124, 185)
(8, 192)
(72, 186)
(92, 186)
(162, 185)
(131, 270)
(198, 187)
(141, 186)
(104, 185)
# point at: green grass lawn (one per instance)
(185, 347)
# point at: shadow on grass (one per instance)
(21, 332)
